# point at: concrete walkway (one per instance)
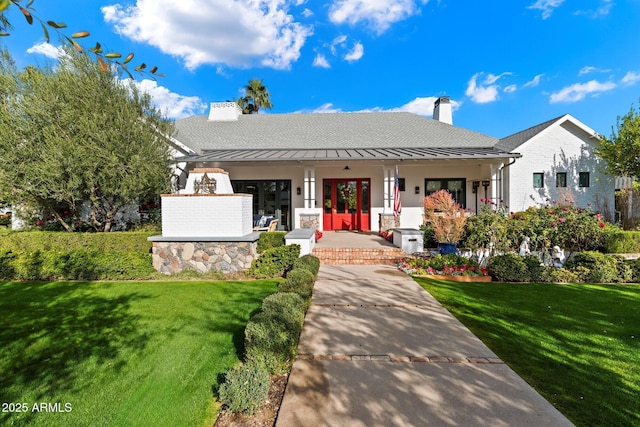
(378, 350)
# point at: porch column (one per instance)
(309, 188)
(495, 183)
(388, 189)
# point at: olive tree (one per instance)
(78, 141)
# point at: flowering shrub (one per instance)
(447, 265)
(488, 229)
(445, 216)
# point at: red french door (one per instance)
(347, 204)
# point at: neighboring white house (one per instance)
(339, 169)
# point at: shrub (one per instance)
(7, 269)
(445, 216)
(558, 275)
(75, 265)
(245, 388)
(535, 268)
(634, 266)
(274, 262)
(308, 262)
(267, 341)
(288, 308)
(122, 241)
(619, 241)
(596, 267)
(429, 236)
(299, 281)
(508, 268)
(270, 239)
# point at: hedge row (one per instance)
(585, 267)
(74, 265)
(31, 241)
(271, 338)
(274, 262)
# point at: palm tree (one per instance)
(243, 103)
(259, 94)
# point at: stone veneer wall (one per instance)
(227, 257)
(310, 221)
(388, 221)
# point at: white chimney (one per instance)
(442, 110)
(224, 112)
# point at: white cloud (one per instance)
(533, 82)
(589, 69)
(321, 61)
(510, 89)
(239, 33)
(602, 10)
(307, 13)
(631, 78)
(324, 108)
(337, 42)
(379, 14)
(355, 54)
(175, 106)
(46, 49)
(579, 91)
(485, 92)
(546, 6)
(419, 106)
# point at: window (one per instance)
(583, 180)
(561, 179)
(456, 186)
(538, 180)
(401, 183)
(269, 198)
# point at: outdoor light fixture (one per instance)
(347, 168)
(417, 190)
(475, 184)
(298, 191)
(485, 183)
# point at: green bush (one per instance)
(619, 241)
(634, 266)
(5, 220)
(558, 275)
(245, 388)
(274, 262)
(535, 268)
(74, 265)
(429, 238)
(288, 308)
(309, 262)
(508, 268)
(270, 239)
(299, 281)
(30, 241)
(267, 341)
(596, 267)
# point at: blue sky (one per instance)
(506, 64)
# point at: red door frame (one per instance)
(336, 212)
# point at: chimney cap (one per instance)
(443, 99)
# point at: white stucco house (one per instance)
(337, 171)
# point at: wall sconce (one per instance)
(298, 191)
(347, 168)
(485, 183)
(475, 185)
(417, 190)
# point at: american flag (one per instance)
(397, 205)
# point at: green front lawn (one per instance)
(125, 354)
(578, 345)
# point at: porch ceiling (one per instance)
(449, 153)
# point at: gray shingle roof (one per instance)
(512, 142)
(326, 131)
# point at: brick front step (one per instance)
(367, 256)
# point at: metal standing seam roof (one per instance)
(347, 154)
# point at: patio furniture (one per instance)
(269, 225)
